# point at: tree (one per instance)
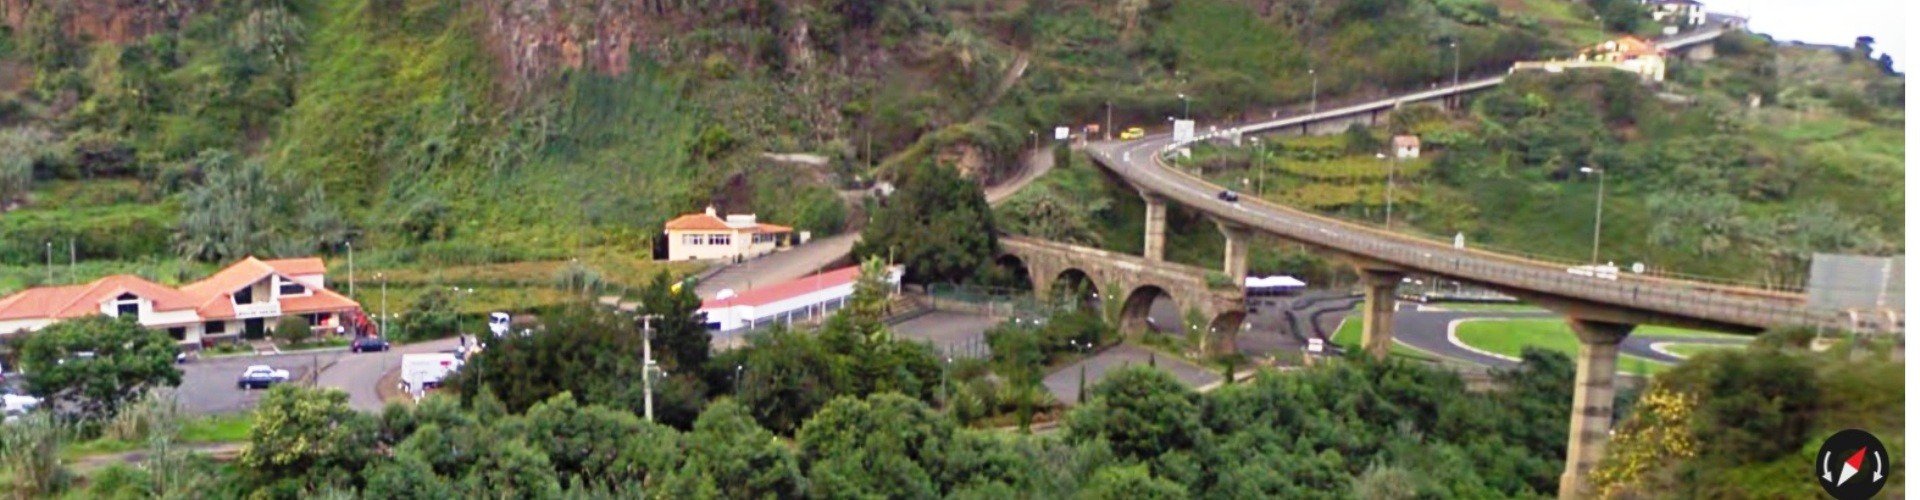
(244, 209)
(598, 445)
(1045, 212)
(292, 330)
(305, 438)
(1141, 412)
(21, 149)
(126, 361)
(873, 447)
(936, 223)
(671, 307)
(729, 456)
(1130, 482)
(430, 316)
(587, 351)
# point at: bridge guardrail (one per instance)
(1649, 294)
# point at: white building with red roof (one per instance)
(784, 303)
(707, 236)
(249, 297)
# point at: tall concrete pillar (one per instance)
(1587, 433)
(1376, 322)
(1238, 238)
(1156, 247)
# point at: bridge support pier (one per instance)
(1382, 290)
(1156, 246)
(1238, 237)
(1588, 431)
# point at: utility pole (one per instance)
(646, 356)
(1599, 196)
(349, 269)
(49, 262)
(73, 263)
(383, 305)
(1456, 72)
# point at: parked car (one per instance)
(1229, 196)
(1132, 133)
(14, 401)
(366, 344)
(261, 377)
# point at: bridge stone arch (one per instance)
(1136, 313)
(1129, 281)
(1015, 268)
(1078, 281)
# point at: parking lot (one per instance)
(207, 385)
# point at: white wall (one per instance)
(152, 318)
(30, 324)
(738, 245)
(734, 317)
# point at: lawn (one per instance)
(1509, 337)
(208, 429)
(1348, 337)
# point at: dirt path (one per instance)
(225, 451)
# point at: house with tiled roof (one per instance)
(1678, 12)
(244, 299)
(708, 236)
(1627, 53)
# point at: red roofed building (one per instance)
(706, 236)
(247, 297)
(800, 299)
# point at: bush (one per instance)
(1755, 406)
(292, 330)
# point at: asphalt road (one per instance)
(802, 260)
(1427, 331)
(207, 385)
(1065, 384)
(1135, 161)
(951, 333)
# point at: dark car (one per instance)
(365, 344)
(1229, 196)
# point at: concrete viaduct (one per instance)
(1601, 311)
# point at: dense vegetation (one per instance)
(436, 133)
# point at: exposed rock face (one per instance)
(117, 21)
(534, 37)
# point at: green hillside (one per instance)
(1702, 179)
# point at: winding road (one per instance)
(1429, 331)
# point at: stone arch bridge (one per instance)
(1135, 281)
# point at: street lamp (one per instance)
(1036, 140)
(1599, 195)
(1455, 45)
(1109, 128)
(1186, 111)
(1391, 164)
(1260, 167)
(349, 269)
(383, 304)
(737, 369)
(1313, 105)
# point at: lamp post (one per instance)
(383, 304)
(1260, 167)
(646, 361)
(737, 370)
(1391, 164)
(1186, 111)
(1036, 140)
(1109, 129)
(1313, 105)
(349, 269)
(1455, 45)
(1599, 195)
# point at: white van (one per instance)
(420, 372)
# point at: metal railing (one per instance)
(1690, 299)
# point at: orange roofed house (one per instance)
(706, 236)
(248, 297)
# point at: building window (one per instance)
(178, 333)
(318, 319)
(689, 239)
(216, 327)
(292, 288)
(720, 239)
(244, 296)
(127, 309)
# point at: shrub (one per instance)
(292, 330)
